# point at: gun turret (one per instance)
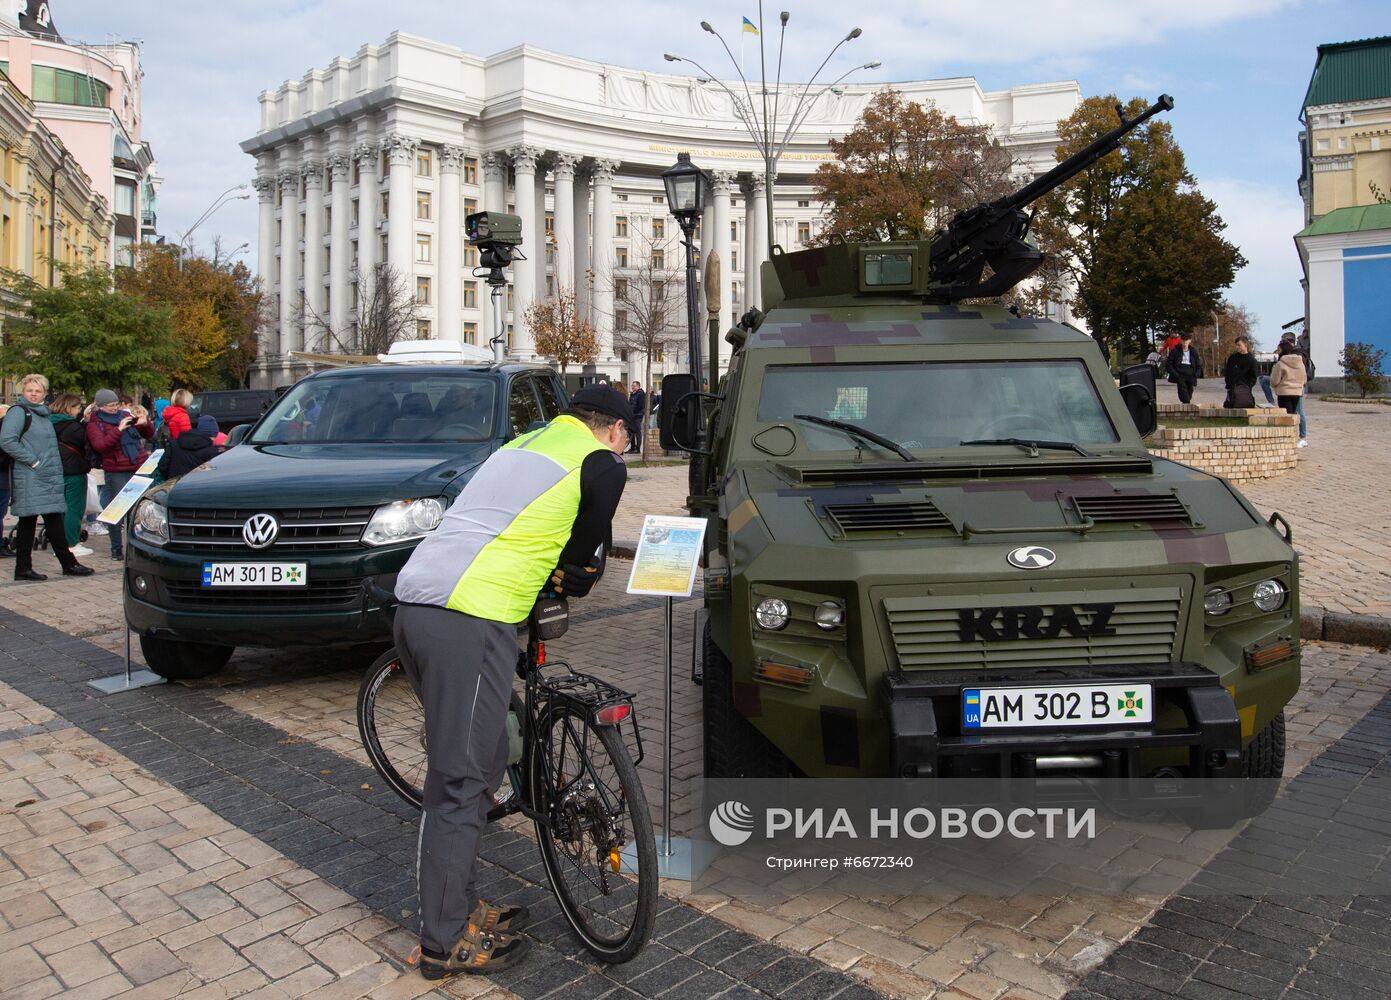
(997, 233)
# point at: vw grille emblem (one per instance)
(1031, 557)
(260, 530)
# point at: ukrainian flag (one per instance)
(750, 27)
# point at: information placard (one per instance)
(122, 502)
(151, 463)
(667, 556)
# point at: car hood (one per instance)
(299, 475)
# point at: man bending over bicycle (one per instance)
(536, 511)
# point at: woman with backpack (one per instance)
(70, 426)
(118, 437)
(36, 479)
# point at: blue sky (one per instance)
(1237, 70)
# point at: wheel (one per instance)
(1264, 761)
(586, 790)
(733, 747)
(176, 660)
(391, 723)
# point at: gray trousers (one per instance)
(462, 668)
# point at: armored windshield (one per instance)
(940, 404)
(404, 408)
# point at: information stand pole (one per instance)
(128, 681)
(666, 752)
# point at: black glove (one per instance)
(574, 581)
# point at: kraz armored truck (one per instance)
(938, 545)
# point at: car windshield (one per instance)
(403, 408)
(939, 405)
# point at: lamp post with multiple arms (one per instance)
(218, 202)
(764, 130)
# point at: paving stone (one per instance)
(211, 958)
(342, 953)
(277, 956)
(146, 962)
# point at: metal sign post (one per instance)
(130, 680)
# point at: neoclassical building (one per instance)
(377, 159)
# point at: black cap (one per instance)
(603, 399)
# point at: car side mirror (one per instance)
(238, 433)
(1137, 390)
(675, 423)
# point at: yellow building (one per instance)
(1346, 142)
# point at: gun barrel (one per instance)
(1080, 160)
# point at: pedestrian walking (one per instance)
(70, 426)
(36, 480)
(1240, 373)
(1185, 367)
(1288, 379)
(176, 416)
(637, 399)
(192, 449)
(118, 437)
(1301, 346)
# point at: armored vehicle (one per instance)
(938, 545)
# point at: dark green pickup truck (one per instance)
(268, 544)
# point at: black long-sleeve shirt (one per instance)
(602, 478)
(1240, 369)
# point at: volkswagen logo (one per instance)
(260, 530)
(1030, 557)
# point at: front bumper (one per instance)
(330, 609)
(1196, 725)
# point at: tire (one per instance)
(612, 912)
(176, 660)
(1264, 761)
(733, 747)
(391, 724)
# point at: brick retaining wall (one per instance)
(1265, 447)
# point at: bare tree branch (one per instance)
(386, 313)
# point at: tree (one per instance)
(1133, 236)
(386, 313)
(1362, 366)
(905, 169)
(559, 331)
(84, 335)
(1216, 342)
(649, 309)
(216, 307)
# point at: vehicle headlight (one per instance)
(828, 616)
(152, 522)
(1217, 601)
(1269, 595)
(771, 614)
(403, 520)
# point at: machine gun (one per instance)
(997, 233)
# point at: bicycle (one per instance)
(570, 773)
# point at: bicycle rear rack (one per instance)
(587, 694)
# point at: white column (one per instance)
(289, 258)
(494, 200)
(451, 244)
(748, 257)
(565, 222)
(339, 166)
(524, 271)
(602, 298)
(368, 197)
(721, 187)
(756, 240)
(313, 315)
(538, 227)
(265, 257)
(580, 242)
(400, 215)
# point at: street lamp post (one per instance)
(218, 202)
(685, 190)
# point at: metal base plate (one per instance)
(686, 861)
(117, 683)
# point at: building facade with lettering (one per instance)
(377, 158)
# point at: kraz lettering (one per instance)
(1031, 622)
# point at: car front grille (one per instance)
(318, 594)
(935, 633)
(307, 529)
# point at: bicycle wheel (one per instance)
(586, 789)
(391, 722)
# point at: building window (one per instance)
(328, 219)
(279, 228)
(422, 291)
(301, 264)
(354, 257)
(620, 289)
(422, 248)
(383, 164)
(620, 320)
(422, 204)
(620, 225)
(734, 259)
(509, 300)
(470, 295)
(734, 230)
(659, 199)
(470, 207)
(424, 163)
(620, 257)
(1322, 145)
(550, 224)
(328, 259)
(657, 355)
(422, 329)
(804, 232)
(357, 171)
(803, 203)
(63, 86)
(386, 205)
(659, 260)
(470, 170)
(470, 256)
(659, 229)
(302, 230)
(470, 333)
(357, 209)
(550, 285)
(381, 248)
(352, 295)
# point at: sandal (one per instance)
(478, 952)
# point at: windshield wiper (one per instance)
(860, 432)
(1034, 446)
